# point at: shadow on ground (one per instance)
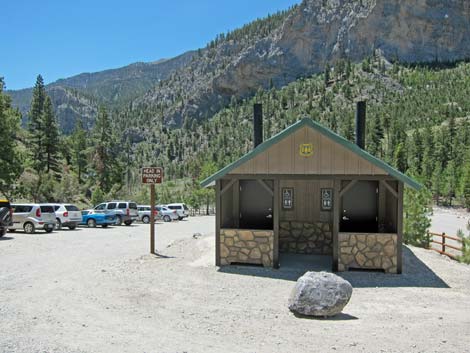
(6, 238)
(415, 272)
(339, 317)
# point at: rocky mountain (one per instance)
(301, 41)
(79, 96)
(272, 52)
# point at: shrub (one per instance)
(418, 209)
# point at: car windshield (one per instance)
(47, 209)
(185, 207)
(71, 208)
(133, 205)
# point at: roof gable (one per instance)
(352, 149)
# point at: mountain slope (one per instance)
(303, 40)
(78, 96)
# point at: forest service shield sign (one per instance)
(306, 149)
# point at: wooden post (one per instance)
(336, 217)
(152, 218)
(276, 214)
(400, 228)
(218, 215)
(443, 242)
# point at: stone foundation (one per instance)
(305, 238)
(368, 251)
(246, 246)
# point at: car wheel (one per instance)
(58, 224)
(180, 218)
(128, 223)
(49, 230)
(167, 218)
(91, 223)
(72, 227)
(118, 220)
(3, 232)
(145, 219)
(104, 226)
(29, 228)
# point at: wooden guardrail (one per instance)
(444, 245)
(201, 211)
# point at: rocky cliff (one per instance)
(278, 50)
(313, 34)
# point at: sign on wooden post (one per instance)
(152, 176)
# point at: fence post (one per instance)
(428, 240)
(443, 242)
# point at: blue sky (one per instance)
(61, 38)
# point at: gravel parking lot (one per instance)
(98, 290)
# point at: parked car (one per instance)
(125, 211)
(31, 217)
(180, 208)
(6, 216)
(67, 215)
(144, 213)
(166, 214)
(92, 218)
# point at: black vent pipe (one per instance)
(361, 124)
(257, 124)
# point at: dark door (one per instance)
(360, 208)
(256, 205)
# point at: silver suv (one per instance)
(180, 208)
(31, 217)
(125, 211)
(67, 215)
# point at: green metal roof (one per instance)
(324, 131)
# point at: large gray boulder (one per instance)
(320, 294)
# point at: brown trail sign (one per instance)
(152, 176)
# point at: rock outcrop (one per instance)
(320, 294)
(313, 34)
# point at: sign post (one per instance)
(152, 176)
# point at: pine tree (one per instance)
(465, 186)
(399, 158)
(10, 162)
(78, 146)
(437, 181)
(102, 156)
(376, 135)
(450, 181)
(36, 125)
(51, 137)
(416, 222)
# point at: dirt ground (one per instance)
(96, 290)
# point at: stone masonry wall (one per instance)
(246, 246)
(368, 251)
(305, 238)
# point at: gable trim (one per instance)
(325, 132)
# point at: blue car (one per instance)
(92, 218)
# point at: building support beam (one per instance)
(389, 188)
(227, 187)
(218, 215)
(336, 217)
(266, 186)
(400, 228)
(348, 187)
(276, 216)
(236, 204)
